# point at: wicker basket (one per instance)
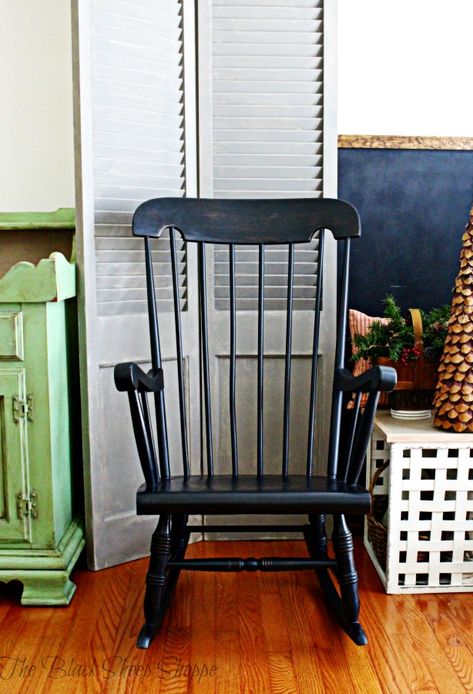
(417, 379)
(377, 532)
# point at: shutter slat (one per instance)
(262, 39)
(261, 172)
(267, 49)
(111, 153)
(245, 148)
(258, 86)
(265, 111)
(310, 4)
(267, 61)
(133, 244)
(274, 160)
(243, 98)
(244, 280)
(256, 11)
(269, 194)
(133, 282)
(138, 139)
(263, 184)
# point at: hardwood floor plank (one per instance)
(202, 654)
(282, 670)
(227, 652)
(459, 610)
(254, 668)
(307, 655)
(420, 632)
(402, 668)
(452, 641)
(262, 632)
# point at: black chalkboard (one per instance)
(413, 206)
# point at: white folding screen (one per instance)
(135, 141)
(265, 129)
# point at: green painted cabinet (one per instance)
(41, 535)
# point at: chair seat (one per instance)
(247, 494)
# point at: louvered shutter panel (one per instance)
(267, 89)
(138, 138)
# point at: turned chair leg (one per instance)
(319, 535)
(347, 577)
(179, 542)
(156, 580)
(178, 536)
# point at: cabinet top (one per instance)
(63, 218)
(417, 431)
(52, 279)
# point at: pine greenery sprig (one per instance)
(395, 339)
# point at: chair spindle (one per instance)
(144, 438)
(260, 384)
(180, 370)
(362, 440)
(315, 354)
(288, 361)
(337, 400)
(161, 428)
(350, 438)
(233, 419)
(204, 336)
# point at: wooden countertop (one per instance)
(417, 431)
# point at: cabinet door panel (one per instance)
(13, 456)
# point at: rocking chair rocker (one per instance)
(174, 498)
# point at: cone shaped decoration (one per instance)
(453, 400)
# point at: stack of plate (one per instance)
(411, 414)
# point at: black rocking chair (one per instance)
(174, 498)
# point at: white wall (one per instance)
(36, 129)
(405, 67)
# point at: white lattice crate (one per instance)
(429, 488)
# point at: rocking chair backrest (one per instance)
(244, 222)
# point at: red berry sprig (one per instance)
(409, 354)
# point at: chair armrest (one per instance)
(378, 378)
(129, 376)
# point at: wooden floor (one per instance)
(247, 632)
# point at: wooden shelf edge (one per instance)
(62, 218)
(404, 142)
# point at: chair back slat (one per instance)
(204, 344)
(180, 359)
(141, 424)
(351, 437)
(337, 400)
(357, 457)
(314, 359)
(161, 426)
(233, 419)
(288, 360)
(260, 380)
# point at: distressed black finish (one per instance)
(250, 494)
(174, 497)
(246, 221)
